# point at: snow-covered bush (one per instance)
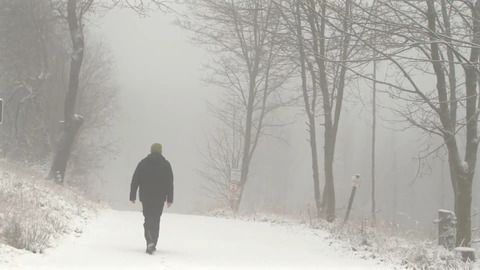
(427, 256)
(33, 211)
(387, 243)
(23, 234)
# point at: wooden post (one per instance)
(446, 228)
(467, 253)
(355, 184)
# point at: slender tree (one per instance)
(322, 52)
(72, 121)
(293, 16)
(374, 135)
(332, 90)
(244, 37)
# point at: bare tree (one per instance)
(72, 121)
(324, 51)
(436, 38)
(35, 55)
(330, 49)
(222, 153)
(76, 11)
(374, 136)
(294, 19)
(244, 37)
(97, 102)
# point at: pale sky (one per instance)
(162, 98)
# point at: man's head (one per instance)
(156, 148)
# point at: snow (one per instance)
(114, 240)
(35, 212)
(445, 211)
(464, 249)
(465, 167)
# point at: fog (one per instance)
(346, 123)
(164, 98)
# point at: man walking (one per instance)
(154, 179)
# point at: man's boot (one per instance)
(150, 244)
(150, 248)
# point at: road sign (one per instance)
(233, 187)
(356, 180)
(234, 184)
(235, 175)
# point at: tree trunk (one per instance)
(333, 110)
(314, 147)
(461, 171)
(72, 122)
(394, 190)
(329, 189)
(374, 134)
(463, 207)
(316, 176)
(247, 142)
(245, 165)
(463, 197)
(309, 107)
(62, 156)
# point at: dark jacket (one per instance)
(154, 177)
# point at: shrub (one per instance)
(33, 211)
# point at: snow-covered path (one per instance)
(114, 240)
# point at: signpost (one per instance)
(446, 228)
(234, 185)
(355, 185)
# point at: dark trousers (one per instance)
(152, 211)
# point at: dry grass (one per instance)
(34, 211)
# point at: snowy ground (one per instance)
(114, 240)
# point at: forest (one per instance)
(354, 111)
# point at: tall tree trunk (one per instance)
(463, 209)
(309, 106)
(245, 166)
(332, 100)
(315, 170)
(72, 122)
(331, 126)
(463, 205)
(319, 51)
(374, 134)
(329, 189)
(441, 192)
(452, 77)
(247, 141)
(461, 171)
(394, 190)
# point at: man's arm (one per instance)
(170, 184)
(135, 183)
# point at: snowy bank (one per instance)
(35, 212)
(382, 244)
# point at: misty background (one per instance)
(163, 97)
(357, 119)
